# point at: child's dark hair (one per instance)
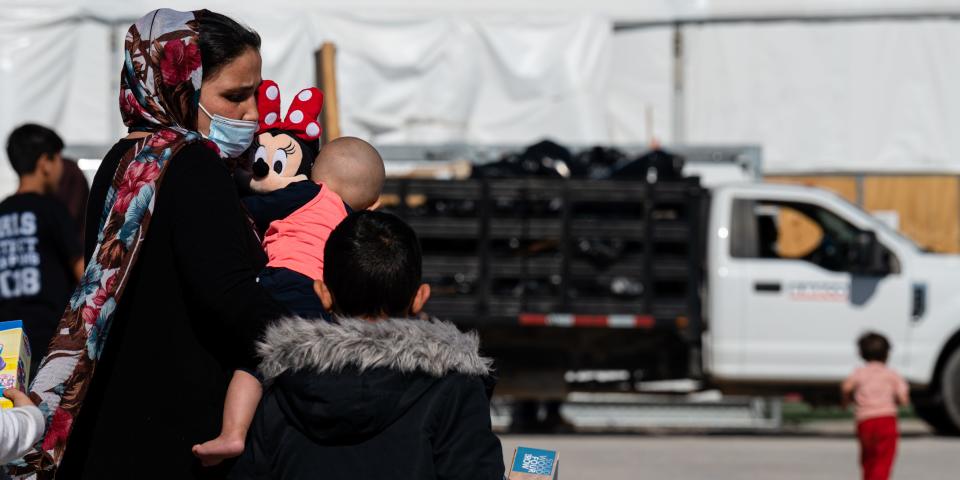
(874, 347)
(27, 143)
(222, 39)
(372, 266)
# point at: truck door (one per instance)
(804, 306)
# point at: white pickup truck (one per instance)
(753, 288)
(790, 321)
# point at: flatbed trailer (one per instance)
(562, 274)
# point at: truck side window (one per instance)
(788, 230)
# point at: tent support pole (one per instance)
(327, 81)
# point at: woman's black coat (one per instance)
(190, 314)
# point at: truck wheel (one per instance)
(934, 414)
(950, 392)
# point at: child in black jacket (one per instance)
(375, 395)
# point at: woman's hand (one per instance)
(272, 183)
(19, 398)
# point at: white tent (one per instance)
(819, 84)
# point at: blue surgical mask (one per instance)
(233, 137)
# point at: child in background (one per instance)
(347, 175)
(378, 394)
(42, 257)
(20, 427)
(875, 391)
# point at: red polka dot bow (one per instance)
(301, 117)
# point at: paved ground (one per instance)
(822, 451)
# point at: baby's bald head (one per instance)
(352, 168)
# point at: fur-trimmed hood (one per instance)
(347, 381)
(429, 346)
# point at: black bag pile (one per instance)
(515, 238)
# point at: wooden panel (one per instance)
(928, 206)
(845, 186)
(798, 235)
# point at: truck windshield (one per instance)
(880, 225)
(903, 238)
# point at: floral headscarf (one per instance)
(159, 94)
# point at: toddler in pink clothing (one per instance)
(876, 392)
(347, 175)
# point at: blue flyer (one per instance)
(534, 464)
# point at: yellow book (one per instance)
(14, 358)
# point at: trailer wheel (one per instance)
(950, 393)
(525, 416)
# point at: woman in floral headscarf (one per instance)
(168, 306)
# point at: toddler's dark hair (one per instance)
(874, 347)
